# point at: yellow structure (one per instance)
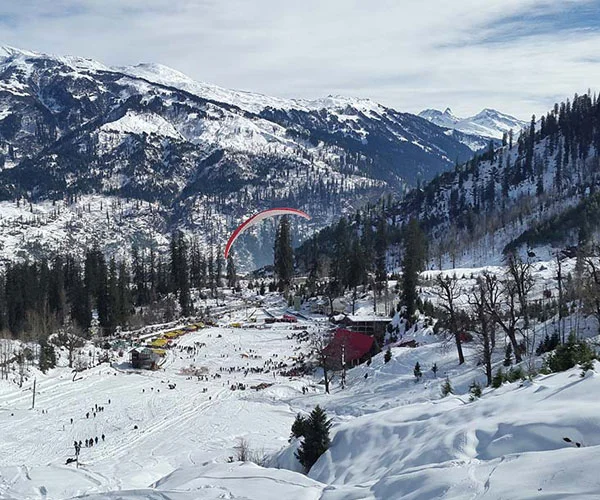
(159, 343)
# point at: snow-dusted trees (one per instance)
(70, 338)
(591, 283)
(519, 272)
(6, 354)
(448, 291)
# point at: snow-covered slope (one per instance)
(393, 438)
(487, 123)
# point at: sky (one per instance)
(517, 56)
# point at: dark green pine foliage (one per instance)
(316, 438)
(387, 356)
(299, 427)
(180, 277)
(141, 293)
(283, 254)
(219, 270)
(417, 371)
(231, 271)
(381, 245)
(413, 262)
(41, 296)
(47, 358)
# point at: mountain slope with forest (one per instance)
(205, 157)
(535, 193)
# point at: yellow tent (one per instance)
(159, 342)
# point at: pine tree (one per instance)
(299, 427)
(474, 391)
(447, 388)
(498, 379)
(417, 371)
(381, 245)
(47, 358)
(231, 272)
(387, 356)
(219, 270)
(316, 438)
(413, 262)
(283, 254)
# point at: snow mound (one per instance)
(232, 481)
(451, 448)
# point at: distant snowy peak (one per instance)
(487, 123)
(445, 119)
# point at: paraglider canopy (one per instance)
(255, 219)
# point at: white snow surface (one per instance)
(137, 123)
(392, 438)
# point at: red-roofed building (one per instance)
(350, 347)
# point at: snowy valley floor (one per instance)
(392, 438)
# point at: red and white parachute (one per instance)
(255, 219)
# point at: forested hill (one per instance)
(536, 191)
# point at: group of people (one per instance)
(89, 442)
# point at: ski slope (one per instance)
(176, 428)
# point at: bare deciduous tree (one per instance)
(319, 344)
(520, 272)
(70, 338)
(448, 291)
(497, 294)
(484, 328)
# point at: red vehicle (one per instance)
(288, 318)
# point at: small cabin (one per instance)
(144, 359)
(374, 326)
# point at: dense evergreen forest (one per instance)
(97, 295)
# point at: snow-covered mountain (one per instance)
(488, 123)
(206, 157)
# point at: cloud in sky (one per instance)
(519, 56)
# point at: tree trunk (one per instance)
(515, 345)
(487, 359)
(461, 357)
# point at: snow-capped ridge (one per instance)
(489, 123)
(16, 55)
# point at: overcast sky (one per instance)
(518, 56)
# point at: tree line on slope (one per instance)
(37, 298)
